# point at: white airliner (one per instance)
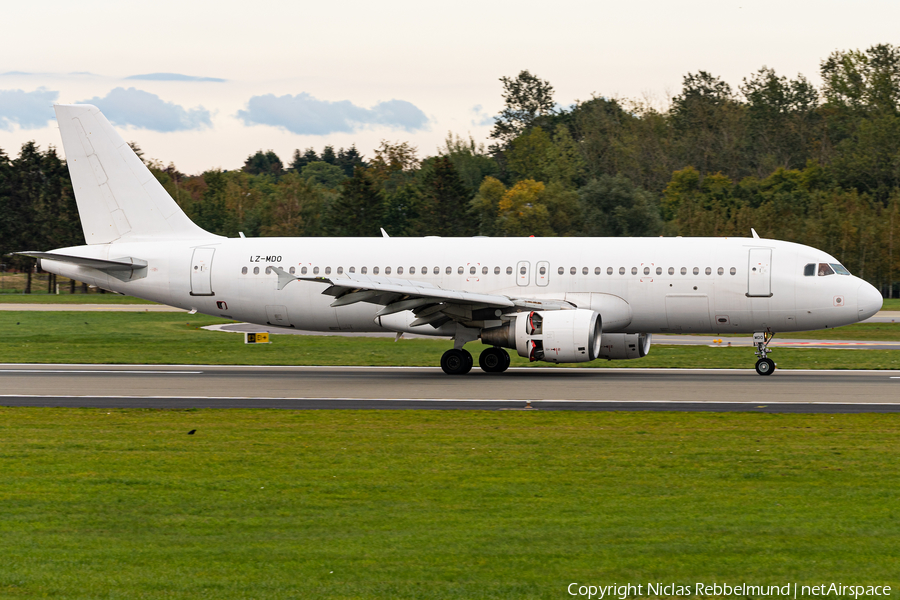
(552, 299)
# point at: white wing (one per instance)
(431, 304)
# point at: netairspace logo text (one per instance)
(789, 590)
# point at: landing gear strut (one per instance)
(494, 360)
(456, 362)
(765, 365)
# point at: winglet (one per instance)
(384, 233)
(755, 235)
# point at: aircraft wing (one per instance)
(431, 304)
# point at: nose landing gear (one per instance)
(765, 365)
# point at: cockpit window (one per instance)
(840, 269)
(809, 270)
(825, 269)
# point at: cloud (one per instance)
(173, 77)
(305, 115)
(482, 119)
(28, 110)
(148, 111)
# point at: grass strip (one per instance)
(438, 504)
(173, 338)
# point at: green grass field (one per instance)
(442, 504)
(172, 338)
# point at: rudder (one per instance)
(118, 197)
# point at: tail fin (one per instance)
(118, 197)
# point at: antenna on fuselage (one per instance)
(753, 231)
(384, 233)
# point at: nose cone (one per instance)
(868, 301)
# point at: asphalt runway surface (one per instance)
(599, 389)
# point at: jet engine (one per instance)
(559, 336)
(621, 346)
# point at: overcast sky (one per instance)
(204, 84)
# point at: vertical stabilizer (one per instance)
(118, 197)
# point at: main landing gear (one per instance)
(765, 365)
(494, 360)
(459, 361)
(456, 362)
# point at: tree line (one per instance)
(814, 165)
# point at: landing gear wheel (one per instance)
(494, 360)
(765, 366)
(456, 362)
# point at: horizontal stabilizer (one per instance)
(102, 264)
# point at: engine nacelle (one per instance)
(622, 346)
(560, 336)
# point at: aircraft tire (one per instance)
(494, 360)
(765, 366)
(456, 362)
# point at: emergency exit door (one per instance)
(759, 273)
(201, 272)
(523, 277)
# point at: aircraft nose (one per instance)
(868, 301)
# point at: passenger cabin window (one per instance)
(399, 270)
(375, 270)
(572, 270)
(448, 270)
(696, 270)
(363, 270)
(256, 270)
(460, 270)
(303, 270)
(328, 270)
(659, 270)
(609, 270)
(561, 270)
(732, 270)
(484, 270)
(634, 270)
(684, 270)
(471, 270)
(353, 269)
(825, 269)
(809, 270)
(340, 270)
(437, 271)
(509, 270)
(720, 271)
(621, 270)
(315, 270)
(597, 270)
(496, 270)
(584, 271)
(387, 270)
(671, 270)
(412, 270)
(646, 270)
(292, 270)
(244, 271)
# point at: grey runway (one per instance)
(206, 386)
